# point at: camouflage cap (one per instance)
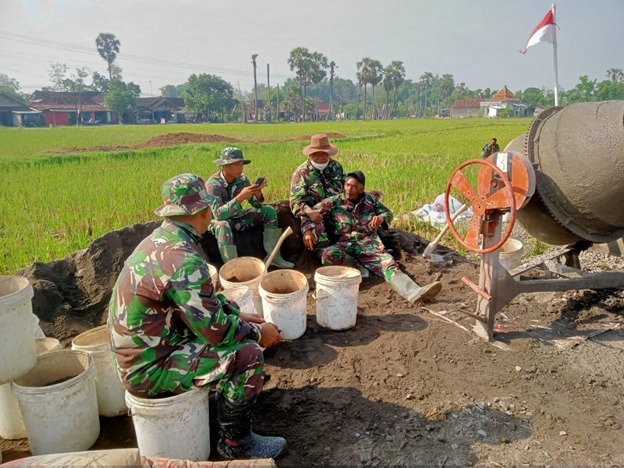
(230, 155)
(184, 194)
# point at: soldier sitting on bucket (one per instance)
(230, 188)
(171, 332)
(355, 215)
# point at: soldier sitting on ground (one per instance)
(355, 216)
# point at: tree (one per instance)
(10, 86)
(108, 48)
(120, 98)
(426, 81)
(370, 72)
(300, 60)
(208, 94)
(394, 75)
(615, 74)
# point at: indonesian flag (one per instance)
(543, 32)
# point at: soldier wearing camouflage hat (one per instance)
(355, 216)
(170, 332)
(231, 188)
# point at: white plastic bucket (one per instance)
(17, 336)
(336, 294)
(214, 275)
(243, 297)
(284, 301)
(176, 427)
(510, 254)
(58, 402)
(11, 421)
(111, 396)
(244, 271)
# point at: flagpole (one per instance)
(555, 55)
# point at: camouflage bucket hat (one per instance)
(184, 194)
(230, 155)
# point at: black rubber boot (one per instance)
(237, 440)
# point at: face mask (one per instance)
(320, 167)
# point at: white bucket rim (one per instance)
(99, 335)
(25, 289)
(48, 339)
(155, 402)
(232, 263)
(243, 289)
(348, 275)
(285, 296)
(21, 391)
(514, 245)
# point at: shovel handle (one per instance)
(287, 232)
(435, 241)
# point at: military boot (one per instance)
(237, 440)
(228, 252)
(270, 238)
(407, 288)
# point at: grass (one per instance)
(54, 204)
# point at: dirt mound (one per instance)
(404, 386)
(173, 139)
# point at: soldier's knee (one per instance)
(251, 355)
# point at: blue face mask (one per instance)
(320, 167)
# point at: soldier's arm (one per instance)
(213, 320)
(325, 206)
(298, 193)
(383, 211)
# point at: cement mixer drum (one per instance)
(578, 156)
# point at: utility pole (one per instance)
(253, 60)
(268, 119)
(277, 110)
(332, 67)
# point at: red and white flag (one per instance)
(543, 32)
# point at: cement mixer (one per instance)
(563, 181)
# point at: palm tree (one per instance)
(318, 70)
(370, 72)
(108, 48)
(300, 61)
(615, 74)
(394, 75)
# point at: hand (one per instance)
(315, 216)
(262, 185)
(376, 193)
(270, 335)
(308, 239)
(251, 318)
(247, 193)
(376, 221)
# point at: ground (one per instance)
(410, 384)
(407, 387)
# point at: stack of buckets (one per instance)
(53, 398)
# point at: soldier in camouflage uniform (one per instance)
(355, 216)
(230, 188)
(170, 332)
(317, 178)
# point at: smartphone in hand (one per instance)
(259, 181)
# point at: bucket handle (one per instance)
(315, 296)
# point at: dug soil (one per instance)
(410, 384)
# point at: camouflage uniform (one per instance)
(308, 186)
(228, 212)
(487, 150)
(350, 221)
(168, 329)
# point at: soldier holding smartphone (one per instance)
(231, 189)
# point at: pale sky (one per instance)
(165, 41)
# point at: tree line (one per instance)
(377, 92)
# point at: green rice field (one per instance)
(52, 204)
